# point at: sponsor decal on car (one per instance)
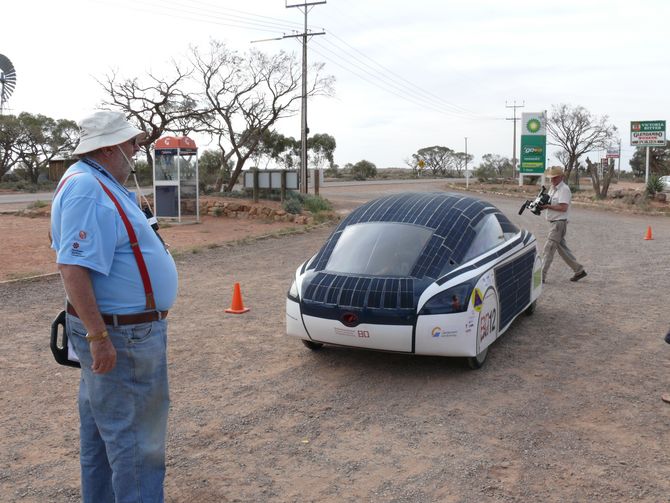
(345, 332)
(477, 299)
(438, 332)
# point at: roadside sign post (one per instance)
(533, 145)
(647, 134)
(615, 153)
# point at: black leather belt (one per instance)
(125, 319)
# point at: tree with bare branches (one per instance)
(576, 131)
(600, 185)
(156, 104)
(243, 96)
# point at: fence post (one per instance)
(256, 183)
(282, 190)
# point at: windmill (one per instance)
(7, 80)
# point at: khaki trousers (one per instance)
(556, 242)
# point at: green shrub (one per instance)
(654, 185)
(37, 204)
(292, 205)
(315, 204)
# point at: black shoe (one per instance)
(578, 276)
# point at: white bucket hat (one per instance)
(104, 128)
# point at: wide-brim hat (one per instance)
(104, 128)
(554, 171)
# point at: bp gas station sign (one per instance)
(533, 144)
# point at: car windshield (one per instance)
(378, 249)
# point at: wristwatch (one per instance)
(97, 337)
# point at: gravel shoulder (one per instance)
(567, 407)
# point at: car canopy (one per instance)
(437, 229)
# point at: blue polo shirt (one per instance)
(87, 231)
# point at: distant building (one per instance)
(58, 165)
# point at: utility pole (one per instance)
(514, 118)
(467, 176)
(305, 8)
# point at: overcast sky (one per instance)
(409, 74)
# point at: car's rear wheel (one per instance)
(530, 309)
(314, 346)
(476, 362)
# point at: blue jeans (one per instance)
(123, 415)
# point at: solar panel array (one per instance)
(513, 280)
(352, 291)
(452, 217)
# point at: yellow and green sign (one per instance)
(533, 143)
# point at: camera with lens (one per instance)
(535, 206)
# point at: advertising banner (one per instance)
(533, 143)
(647, 133)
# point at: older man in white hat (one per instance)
(120, 282)
(557, 215)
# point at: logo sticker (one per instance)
(534, 125)
(437, 332)
(75, 245)
(345, 332)
(82, 235)
(477, 299)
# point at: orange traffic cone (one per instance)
(648, 236)
(237, 307)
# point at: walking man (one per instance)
(557, 215)
(120, 281)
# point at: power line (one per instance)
(305, 7)
(385, 79)
(514, 119)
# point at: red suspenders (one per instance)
(150, 303)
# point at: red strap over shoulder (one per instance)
(134, 245)
(62, 182)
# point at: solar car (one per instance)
(419, 273)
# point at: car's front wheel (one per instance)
(314, 346)
(476, 362)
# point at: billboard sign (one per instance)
(647, 133)
(533, 143)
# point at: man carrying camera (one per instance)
(557, 215)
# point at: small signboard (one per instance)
(647, 133)
(612, 153)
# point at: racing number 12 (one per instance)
(487, 324)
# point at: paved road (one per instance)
(30, 197)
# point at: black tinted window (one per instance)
(378, 249)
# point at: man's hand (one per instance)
(104, 356)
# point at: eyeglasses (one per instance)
(135, 142)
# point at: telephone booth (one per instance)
(176, 178)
